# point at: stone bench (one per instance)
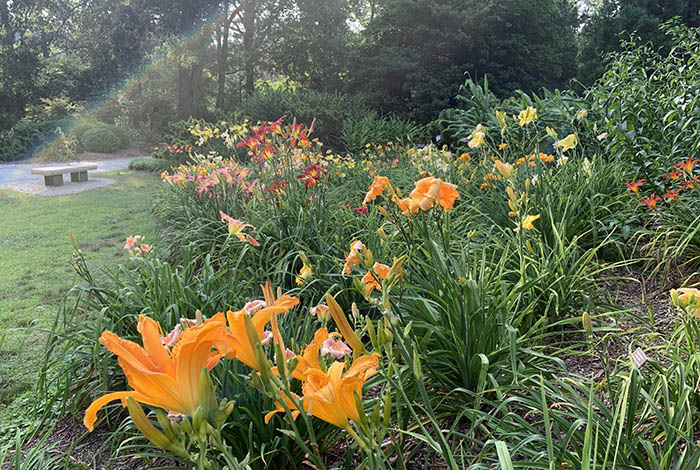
(53, 175)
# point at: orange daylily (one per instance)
(634, 186)
(353, 258)
(430, 190)
(370, 280)
(651, 201)
(330, 395)
(376, 188)
(160, 376)
(687, 165)
(239, 345)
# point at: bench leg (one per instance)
(78, 176)
(53, 180)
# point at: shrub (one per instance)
(651, 105)
(28, 137)
(103, 138)
(155, 165)
(360, 130)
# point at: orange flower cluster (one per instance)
(428, 192)
(166, 371)
(682, 173)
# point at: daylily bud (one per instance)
(383, 212)
(207, 395)
(417, 369)
(147, 428)
(587, 323)
(341, 322)
(382, 234)
(511, 194)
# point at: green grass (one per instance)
(35, 254)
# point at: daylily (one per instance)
(527, 115)
(370, 280)
(651, 201)
(239, 345)
(304, 274)
(674, 175)
(686, 297)
(376, 188)
(502, 146)
(321, 311)
(671, 194)
(235, 227)
(527, 223)
(254, 306)
(476, 138)
(567, 142)
(581, 114)
(160, 376)
(330, 395)
(505, 169)
(687, 165)
(353, 258)
(430, 190)
(634, 186)
(335, 348)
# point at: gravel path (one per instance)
(17, 176)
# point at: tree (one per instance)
(314, 43)
(416, 52)
(614, 20)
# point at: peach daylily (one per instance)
(335, 348)
(430, 190)
(376, 188)
(321, 311)
(160, 376)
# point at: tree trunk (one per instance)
(222, 64)
(189, 80)
(249, 55)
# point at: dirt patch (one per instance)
(70, 443)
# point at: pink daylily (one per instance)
(335, 348)
(235, 227)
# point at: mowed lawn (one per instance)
(35, 254)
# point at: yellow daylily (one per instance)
(567, 142)
(687, 297)
(527, 115)
(527, 223)
(476, 138)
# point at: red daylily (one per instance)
(651, 201)
(687, 165)
(312, 175)
(671, 194)
(361, 210)
(691, 184)
(674, 175)
(634, 186)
